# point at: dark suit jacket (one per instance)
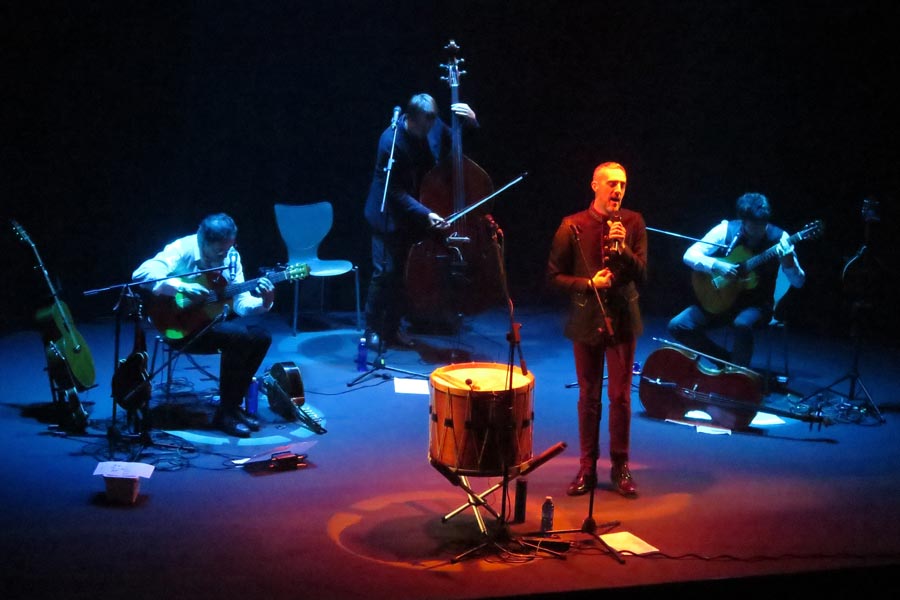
(573, 262)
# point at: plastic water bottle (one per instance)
(547, 514)
(253, 396)
(362, 355)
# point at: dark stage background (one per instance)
(126, 122)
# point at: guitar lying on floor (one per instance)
(716, 293)
(177, 317)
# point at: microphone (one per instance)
(615, 218)
(395, 118)
(575, 230)
(232, 263)
(733, 243)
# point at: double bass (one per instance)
(673, 384)
(457, 271)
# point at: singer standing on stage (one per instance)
(243, 347)
(422, 139)
(751, 233)
(599, 257)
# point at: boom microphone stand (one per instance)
(379, 363)
(589, 526)
(128, 297)
(857, 277)
(477, 500)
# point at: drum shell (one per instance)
(485, 429)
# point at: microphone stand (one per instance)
(113, 433)
(477, 500)
(390, 164)
(378, 364)
(589, 526)
(685, 237)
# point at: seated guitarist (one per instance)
(243, 347)
(718, 255)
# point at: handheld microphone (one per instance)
(615, 218)
(232, 263)
(395, 118)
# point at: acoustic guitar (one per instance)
(69, 360)
(717, 293)
(283, 385)
(177, 317)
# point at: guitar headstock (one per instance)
(21, 233)
(812, 230)
(294, 272)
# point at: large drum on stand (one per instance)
(479, 424)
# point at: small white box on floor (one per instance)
(122, 479)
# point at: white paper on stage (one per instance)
(411, 386)
(117, 468)
(624, 541)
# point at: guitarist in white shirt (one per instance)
(728, 295)
(243, 347)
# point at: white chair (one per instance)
(778, 324)
(302, 228)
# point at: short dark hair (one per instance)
(753, 207)
(217, 228)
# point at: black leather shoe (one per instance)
(247, 419)
(622, 480)
(230, 424)
(582, 484)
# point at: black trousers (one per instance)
(386, 297)
(243, 349)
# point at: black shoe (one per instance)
(247, 419)
(622, 480)
(583, 483)
(230, 424)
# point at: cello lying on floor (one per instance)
(673, 384)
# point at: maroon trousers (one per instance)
(589, 362)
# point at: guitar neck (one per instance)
(233, 289)
(40, 265)
(753, 263)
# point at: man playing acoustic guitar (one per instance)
(184, 310)
(726, 294)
